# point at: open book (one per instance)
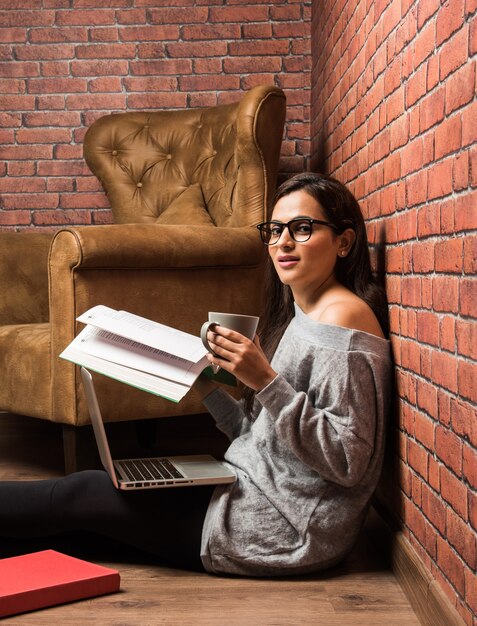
(137, 351)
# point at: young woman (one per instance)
(307, 439)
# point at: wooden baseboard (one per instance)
(429, 602)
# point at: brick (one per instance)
(417, 458)
(55, 68)
(454, 53)
(428, 328)
(451, 565)
(239, 65)
(150, 83)
(445, 294)
(440, 179)
(466, 335)
(96, 101)
(58, 35)
(468, 297)
(462, 538)
(466, 376)
(424, 427)
(470, 465)
(416, 187)
(434, 509)
(461, 171)
(449, 255)
(99, 68)
(465, 214)
(26, 18)
(163, 100)
(471, 590)
(413, 157)
(424, 43)
(258, 48)
(432, 72)
(178, 15)
(203, 49)
(22, 185)
(416, 86)
(61, 217)
(454, 492)
(161, 67)
(21, 168)
(15, 218)
(109, 33)
(460, 87)
(469, 127)
(56, 85)
(78, 17)
(431, 109)
(17, 102)
(150, 33)
(106, 51)
(415, 521)
(253, 31)
(30, 200)
(449, 19)
(45, 51)
(447, 340)
(105, 84)
(423, 257)
(444, 370)
(212, 31)
(449, 449)
(25, 152)
(242, 15)
(448, 136)
(473, 512)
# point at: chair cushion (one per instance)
(188, 208)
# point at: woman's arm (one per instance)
(331, 429)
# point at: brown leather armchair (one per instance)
(185, 188)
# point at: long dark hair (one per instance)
(353, 271)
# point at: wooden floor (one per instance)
(362, 591)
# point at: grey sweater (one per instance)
(307, 460)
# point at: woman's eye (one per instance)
(275, 230)
(303, 227)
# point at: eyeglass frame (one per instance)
(284, 225)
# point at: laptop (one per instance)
(152, 473)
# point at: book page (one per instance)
(146, 332)
(121, 350)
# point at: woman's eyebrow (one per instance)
(298, 217)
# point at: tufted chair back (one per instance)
(211, 166)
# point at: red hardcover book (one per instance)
(46, 578)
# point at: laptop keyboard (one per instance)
(150, 469)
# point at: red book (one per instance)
(34, 581)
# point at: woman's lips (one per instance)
(287, 261)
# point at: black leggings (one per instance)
(164, 523)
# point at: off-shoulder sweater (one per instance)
(308, 458)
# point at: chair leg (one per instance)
(70, 448)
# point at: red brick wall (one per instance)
(394, 115)
(61, 68)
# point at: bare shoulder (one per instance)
(351, 312)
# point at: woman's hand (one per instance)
(240, 356)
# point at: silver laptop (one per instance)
(152, 473)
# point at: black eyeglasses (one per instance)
(300, 229)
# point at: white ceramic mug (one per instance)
(244, 324)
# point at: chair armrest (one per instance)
(170, 274)
(24, 277)
(157, 246)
